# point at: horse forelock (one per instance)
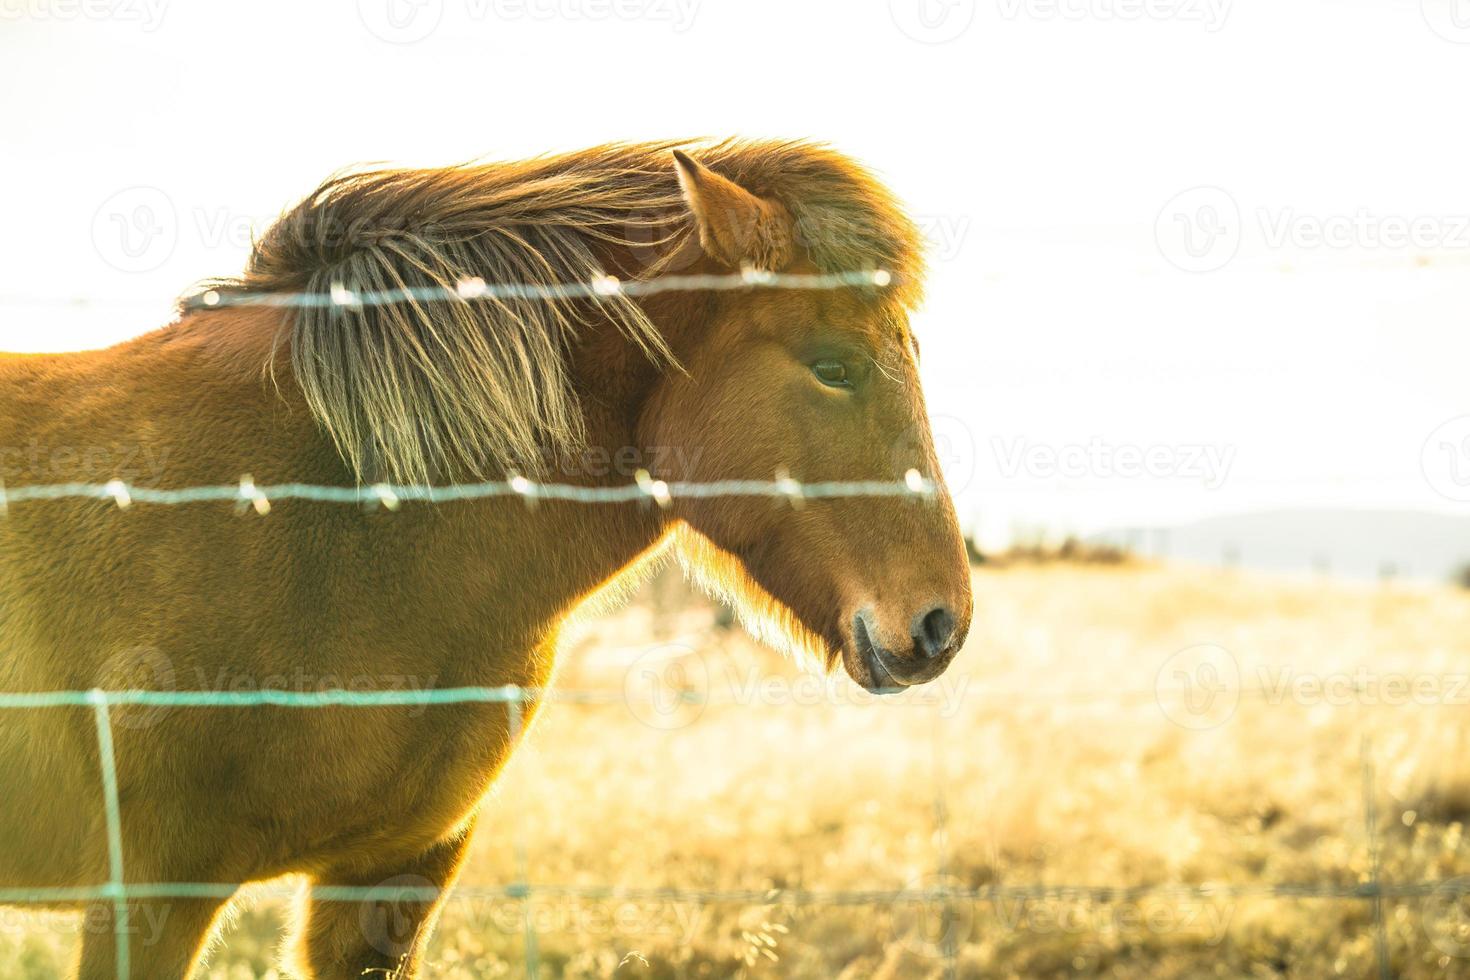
(414, 390)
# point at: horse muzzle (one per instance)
(881, 666)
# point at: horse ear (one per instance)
(735, 226)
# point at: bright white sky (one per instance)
(1041, 144)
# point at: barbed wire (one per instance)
(1009, 698)
(599, 288)
(247, 494)
(1101, 894)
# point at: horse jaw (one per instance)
(721, 575)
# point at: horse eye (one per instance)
(833, 374)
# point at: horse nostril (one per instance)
(934, 631)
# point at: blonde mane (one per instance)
(411, 390)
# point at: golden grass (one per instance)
(1052, 762)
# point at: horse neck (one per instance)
(499, 575)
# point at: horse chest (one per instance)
(391, 785)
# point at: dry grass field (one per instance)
(1109, 830)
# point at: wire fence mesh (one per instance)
(247, 496)
(117, 890)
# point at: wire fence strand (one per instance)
(116, 886)
(599, 288)
(247, 495)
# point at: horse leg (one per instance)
(345, 939)
(166, 938)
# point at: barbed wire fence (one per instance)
(943, 897)
(247, 496)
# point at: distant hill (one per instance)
(1352, 543)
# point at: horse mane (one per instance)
(413, 389)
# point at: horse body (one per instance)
(311, 597)
(317, 596)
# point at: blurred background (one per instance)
(1195, 348)
(1191, 258)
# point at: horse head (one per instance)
(821, 385)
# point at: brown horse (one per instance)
(692, 385)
